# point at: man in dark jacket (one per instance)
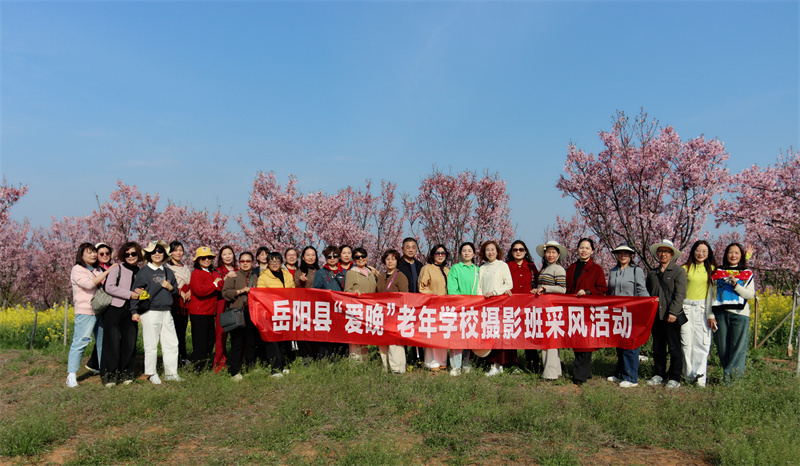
(410, 267)
(668, 282)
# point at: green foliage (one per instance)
(31, 434)
(340, 412)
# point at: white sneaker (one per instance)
(495, 370)
(656, 380)
(614, 379)
(434, 366)
(673, 384)
(626, 384)
(285, 372)
(155, 380)
(237, 378)
(277, 375)
(643, 358)
(72, 381)
(127, 382)
(466, 369)
(110, 385)
(173, 378)
(455, 372)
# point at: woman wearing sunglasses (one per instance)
(433, 280)
(360, 279)
(205, 287)
(155, 312)
(121, 332)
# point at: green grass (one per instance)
(346, 413)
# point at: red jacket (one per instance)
(204, 293)
(522, 275)
(592, 280)
(221, 272)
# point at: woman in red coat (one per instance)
(585, 278)
(226, 268)
(523, 275)
(204, 286)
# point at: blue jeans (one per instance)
(459, 356)
(732, 338)
(627, 365)
(85, 326)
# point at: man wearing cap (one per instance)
(667, 281)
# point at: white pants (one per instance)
(552, 364)
(437, 355)
(393, 358)
(695, 341)
(159, 325)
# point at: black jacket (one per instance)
(669, 299)
(405, 267)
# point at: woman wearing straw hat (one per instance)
(552, 279)
(668, 283)
(155, 313)
(626, 279)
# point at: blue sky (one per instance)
(190, 99)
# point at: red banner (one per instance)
(459, 322)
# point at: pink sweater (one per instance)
(83, 288)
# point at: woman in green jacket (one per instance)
(462, 279)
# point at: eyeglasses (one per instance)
(332, 256)
(518, 250)
(664, 251)
(360, 256)
(206, 258)
(159, 251)
(274, 261)
(439, 253)
(103, 254)
(131, 254)
(245, 261)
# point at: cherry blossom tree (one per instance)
(569, 232)
(766, 201)
(279, 217)
(451, 209)
(646, 185)
(274, 214)
(14, 270)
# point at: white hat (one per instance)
(562, 250)
(665, 243)
(152, 247)
(623, 248)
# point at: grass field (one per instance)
(349, 413)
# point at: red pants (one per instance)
(220, 355)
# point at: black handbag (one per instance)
(232, 319)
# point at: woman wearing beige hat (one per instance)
(552, 279)
(155, 313)
(626, 279)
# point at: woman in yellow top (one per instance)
(274, 277)
(433, 280)
(695, 333)
(360, 279)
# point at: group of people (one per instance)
(154, 287)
